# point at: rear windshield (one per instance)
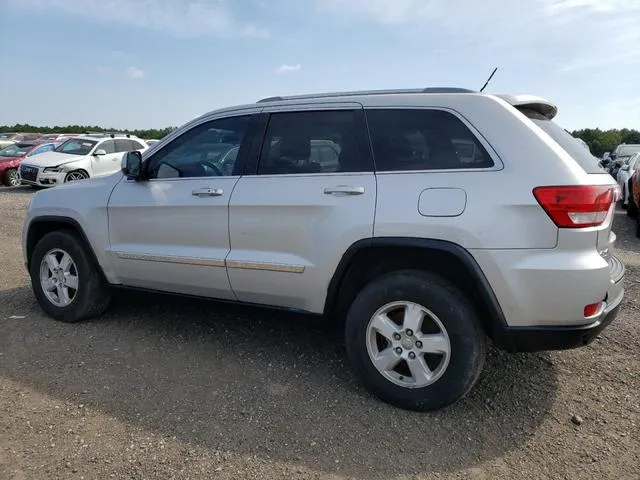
(570, 144)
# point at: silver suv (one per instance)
(428, 221)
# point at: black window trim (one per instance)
(497, 161)
(362, 137)
(243, 153)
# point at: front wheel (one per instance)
(11, 178)
(415, 340)
(76, 175)
(65, 279)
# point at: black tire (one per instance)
(455, 312)
(92, 296)
(638, 226)
(9, 178)
(69, 177)
(632, 208)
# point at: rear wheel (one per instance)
(415, 340)
(11, 178)
(65, 279)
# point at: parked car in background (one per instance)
(79, 158)
(8, 138)
(56, 137)
(625, 173)
(620, 156)
(633, 209)
(151, 141)
(12, 155)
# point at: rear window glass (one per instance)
(568, 142)
(420, 139)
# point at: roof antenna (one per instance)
(489, 79)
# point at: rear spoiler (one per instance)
(539, 104)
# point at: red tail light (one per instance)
(577, 206)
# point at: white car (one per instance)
(624, 176)
(79, 158)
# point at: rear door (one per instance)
(300, 207)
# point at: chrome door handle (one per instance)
(207, 192)
(344, 190)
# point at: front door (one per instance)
(311, 196)
(108, 163)
(170, 232)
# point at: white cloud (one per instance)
(181, 18)
(573, 34)
(286, 68)
(135, 72)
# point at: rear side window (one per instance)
(313, 142)
(418, 139)
(568, 142)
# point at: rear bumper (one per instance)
(532, 339)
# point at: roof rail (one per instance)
(368, 92)
(107, 134)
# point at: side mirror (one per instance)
(99, 152)
(132, 165)
(625, 168)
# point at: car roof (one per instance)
(368, 98)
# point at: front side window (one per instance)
(109, 146)
(203, 151)
(312, 142)
(418, 139)
(76, 146)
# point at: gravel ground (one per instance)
(167, 388)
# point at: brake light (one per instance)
(576, 206)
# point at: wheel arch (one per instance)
(41, 226)
(370, 258)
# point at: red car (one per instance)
(633, 210)
(12, 155)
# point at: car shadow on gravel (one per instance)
(263, 383)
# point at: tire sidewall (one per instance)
(7, 177)
(468, 343)
(72, 246)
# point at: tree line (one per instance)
(144, 134)
(599, 141)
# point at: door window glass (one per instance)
(312, 142)
(108, 146)
(204, 151)
(419, 139)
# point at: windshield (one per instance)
(569, 144)
(46, 147)
(15, 150)
(627, 150)
(76, 146)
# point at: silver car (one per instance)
(427, 221)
